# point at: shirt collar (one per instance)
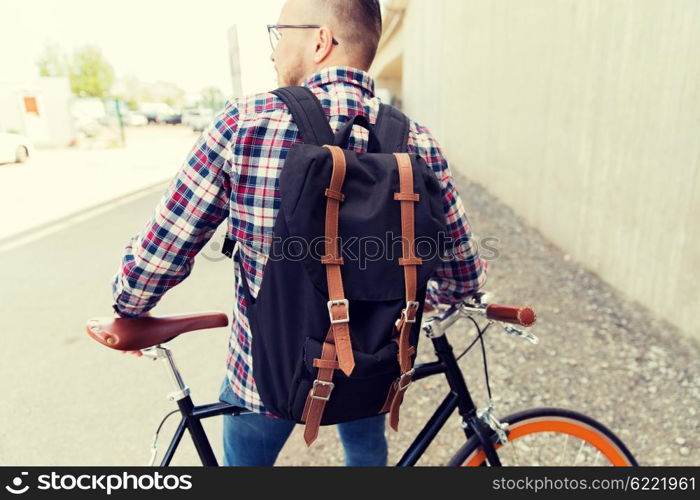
(342, 74)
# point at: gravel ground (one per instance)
(599, 353)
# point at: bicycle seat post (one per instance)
(181, 391)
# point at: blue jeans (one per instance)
(256, 440)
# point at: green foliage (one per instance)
(212, 98)
(52, 62)
(90, 74)
(175, 98)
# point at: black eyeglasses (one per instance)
(275, 35)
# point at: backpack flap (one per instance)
(370, 220)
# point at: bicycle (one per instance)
(488, 440)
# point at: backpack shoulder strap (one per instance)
(308, 114)
(392, 128)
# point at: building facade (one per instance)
(583, 116)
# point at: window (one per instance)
(30, 105)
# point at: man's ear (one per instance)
(324, 44)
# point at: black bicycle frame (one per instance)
(458, 398)
(192, 417)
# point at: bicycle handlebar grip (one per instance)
(518, 315)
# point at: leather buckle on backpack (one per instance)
(413, 307)
(343, 302)
(317, 382)
(409, 374)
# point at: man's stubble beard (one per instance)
(294, 76)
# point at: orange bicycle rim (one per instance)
(561, 425)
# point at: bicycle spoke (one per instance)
(515, 452)
(579, 452)
(561, 453)
(548, 449)
(595, 462)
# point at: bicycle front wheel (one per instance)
(551, 437)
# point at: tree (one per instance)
(212, 98)
(90, 74)
(52, 62)
(131, 90)
(169, 93)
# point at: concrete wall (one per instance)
(584, 116)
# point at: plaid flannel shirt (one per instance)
(232, 174)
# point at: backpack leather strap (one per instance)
(337, 345)
(338, 305)
(320, 391)
(409, 262)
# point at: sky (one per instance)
(182, 42)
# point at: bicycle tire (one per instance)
(558, 421)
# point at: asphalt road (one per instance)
(67, 399)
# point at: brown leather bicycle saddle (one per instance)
(131, 334)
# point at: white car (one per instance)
(15, 148)
(198, 121)
(134, 119)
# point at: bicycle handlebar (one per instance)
(518, 315)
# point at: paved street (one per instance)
(59, 182)
(68, 400)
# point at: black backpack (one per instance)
(335, 332)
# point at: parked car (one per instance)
(128, 117)
(87, 125)
(15, 148)
(199, 120)
(172, 119)
(157, 112)
(151, 116)
(89, 116)
(135, 119)
(188, 114)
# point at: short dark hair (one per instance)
(361, 26)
